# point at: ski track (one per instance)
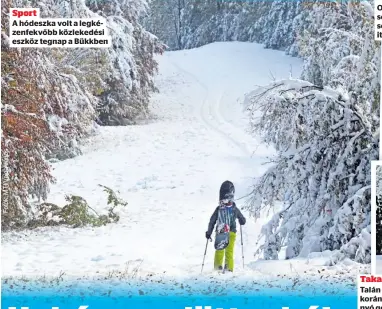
(169, 171)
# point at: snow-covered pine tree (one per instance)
(186, 24)
(130, 62)
(321, 172)
(196, 23)
(166, 20)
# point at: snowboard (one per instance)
(221, 240)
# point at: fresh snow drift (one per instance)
(169, 171)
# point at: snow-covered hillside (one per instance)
(169, 171)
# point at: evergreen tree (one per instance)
(321, 173)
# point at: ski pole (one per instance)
(242, 246)
(205, 252)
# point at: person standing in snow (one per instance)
(225, 216)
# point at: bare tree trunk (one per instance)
(180, 24)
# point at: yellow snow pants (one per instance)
(227, 252)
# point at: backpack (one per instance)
(223, 227)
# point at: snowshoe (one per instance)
(220, 270)
(226, 269)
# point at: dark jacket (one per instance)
(236, 214)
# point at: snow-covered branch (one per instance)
(320, 135)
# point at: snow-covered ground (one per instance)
(169, 171)
(378, 266)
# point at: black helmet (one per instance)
(227, 191)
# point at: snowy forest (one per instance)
(52, 99)
(322, 170)
(324, 124)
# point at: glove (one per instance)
(208, 235)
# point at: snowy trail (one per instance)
(169, 171)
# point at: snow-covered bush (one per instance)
(324, 145)
(77, 212)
